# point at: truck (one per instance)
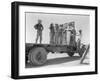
(36, 54)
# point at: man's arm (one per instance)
(35, 26)
(42, 26)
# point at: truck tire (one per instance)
(38, 56)
(70, 54)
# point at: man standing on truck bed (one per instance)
(60, 35)
(73, 34)
(39, 28)
(56, 33)
(52, 33)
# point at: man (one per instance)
(61, 29)
(56, 33)
(73, 34)
(65, 33)
(39, 28)
(52, 33)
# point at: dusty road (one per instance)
(59, 60)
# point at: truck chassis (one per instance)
(36, 54)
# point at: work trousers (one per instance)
(52, 37)
(39, 35)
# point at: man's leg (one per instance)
(61, 38)
(50, 37)
(65, 37)
(57, 38)
(37, 37)
(40, 35)
(53, 38)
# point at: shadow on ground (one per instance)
(55, 61)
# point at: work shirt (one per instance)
(39, 27)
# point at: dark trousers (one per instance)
(39, 35)
(60, 37)
(56, 38)
(52, 41)
(73, 41)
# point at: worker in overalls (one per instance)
(39, 28)
(56, 33)
(60, 36)
(52, 33)
(65, 31)
(73, 35)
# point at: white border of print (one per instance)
(43, 70)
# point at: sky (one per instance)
(81, 22)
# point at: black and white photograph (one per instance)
(51, 40)
(57, 40)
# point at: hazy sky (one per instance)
(81, 22)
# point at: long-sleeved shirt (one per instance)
(39, 27)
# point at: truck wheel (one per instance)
(81, 51)
(70, 54)
(38, 56)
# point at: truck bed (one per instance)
(52, 47)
